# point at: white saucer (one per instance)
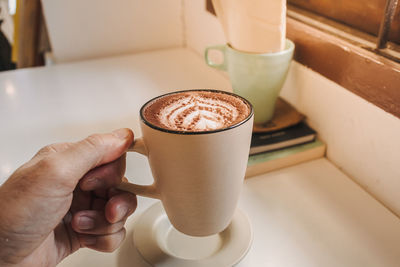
(162, 245)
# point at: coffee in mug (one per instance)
(197, 143)
(196, 111)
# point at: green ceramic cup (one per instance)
(257, 77)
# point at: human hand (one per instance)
(64, 199)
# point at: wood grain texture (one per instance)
(365, 73)
(285, 115)
(29, 28)
(360, 14)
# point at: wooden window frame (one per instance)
(366, 16)
(347, 62)
(32, 39)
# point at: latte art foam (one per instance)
(196, 111)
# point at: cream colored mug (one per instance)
(198, 176)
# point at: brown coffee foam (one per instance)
(151, 111)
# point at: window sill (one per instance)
(370, 76)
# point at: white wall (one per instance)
(362, 139)
(97, 28)
(8, 24)
(201, 28)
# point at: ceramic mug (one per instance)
(257, 77)
(198, 176)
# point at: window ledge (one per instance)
(365, 73)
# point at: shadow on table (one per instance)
(128, 255)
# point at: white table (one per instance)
(306, 215)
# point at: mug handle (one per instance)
(141, 190)
(209, 62)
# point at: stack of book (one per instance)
(282, 148)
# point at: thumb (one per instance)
(91, 152)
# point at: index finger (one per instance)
(105, 176)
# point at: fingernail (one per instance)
(122, 210)
(89, 240)
(85, 223)
(121, 133)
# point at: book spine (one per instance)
(287, 161)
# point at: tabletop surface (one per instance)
(310, 214)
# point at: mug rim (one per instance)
(142, 118)
(268, 54)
